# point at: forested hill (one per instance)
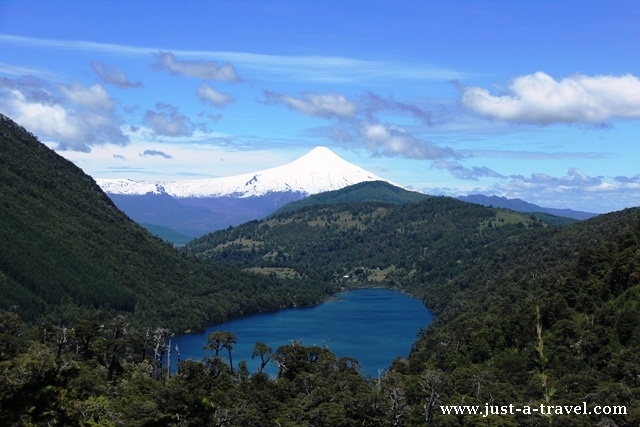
(370, 191)
(65, 246)
(550, 317)
(381, 240)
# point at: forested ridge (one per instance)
(66, 249)
(527, 313)
(369, 191)
(434, 237)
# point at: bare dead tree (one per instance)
(178, 354)
(431, 384)
(169, 359)
(61, 336)
(160, 336)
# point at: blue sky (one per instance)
(537, 100)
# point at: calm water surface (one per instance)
(372, 325)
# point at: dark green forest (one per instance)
(68, 249)
(370, 191)
(528, 313)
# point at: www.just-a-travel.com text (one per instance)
(541, 409)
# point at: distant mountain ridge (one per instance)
(196, 207)
(522, 206)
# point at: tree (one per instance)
(265, 353)
(431, 383)
(160, 339)
(218, 340)
(85, 331)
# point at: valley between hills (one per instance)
(530, 309)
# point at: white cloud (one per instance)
(205, 70)
(156, 153)
(51, 121)
(575, 180)
(210, 96)
(459, 171)
(17, 70)
(634, 180)
(332, 69)
(74, 117)
(93, 97)
(576, 189)
(168, 121)
(111, 74)
(371, 104)
(358, 123)
(326, 105)
(394, 141)
(539, 99)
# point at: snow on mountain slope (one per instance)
(129, 187)
(317, 171)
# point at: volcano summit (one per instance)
(198, 206)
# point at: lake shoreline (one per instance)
(367, 320)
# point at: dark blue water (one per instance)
(372, 325)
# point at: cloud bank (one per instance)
(358, 122)
(540, 99)
(75, 116)
(471, 174)
(394, 141)
(576, 189)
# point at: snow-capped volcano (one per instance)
(318, 171)
(199, 206)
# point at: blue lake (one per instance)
(372, 325)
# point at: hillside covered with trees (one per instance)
(439, 236)
(66, 249)
(369, 191)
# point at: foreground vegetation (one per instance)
(110, 375)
